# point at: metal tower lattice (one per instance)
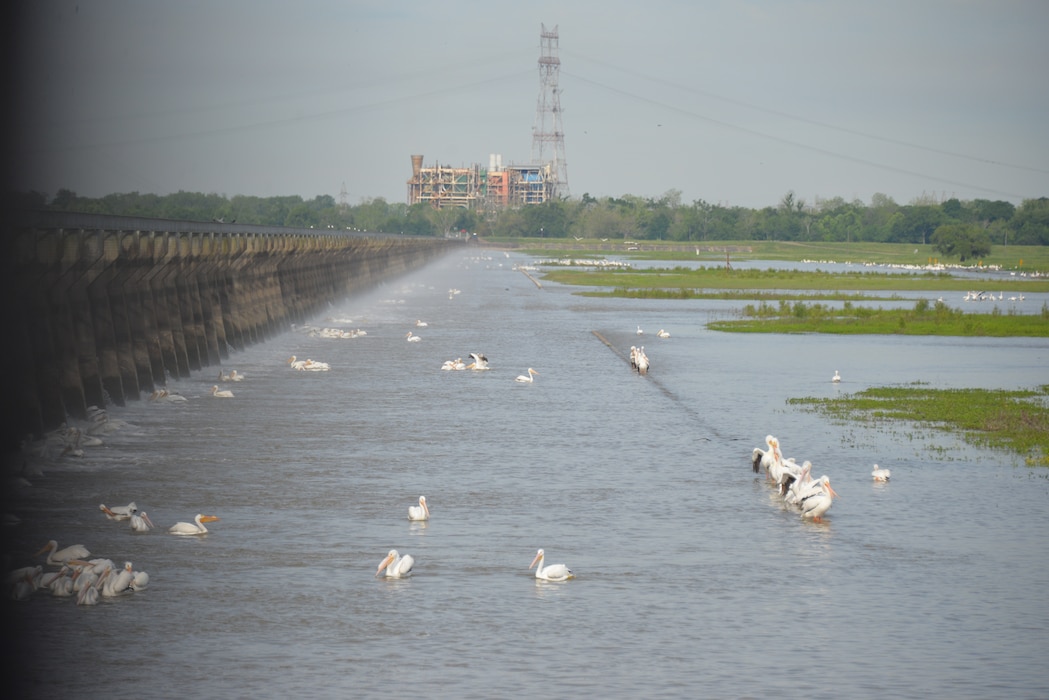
(548, 135)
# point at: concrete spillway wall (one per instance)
(107, 309)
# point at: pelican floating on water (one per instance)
(412, 338)
(58, 557)
(480, 361)
(88, 594)
(194, 528)
(880, 474)
(396, 566)
(554, 572)
(140, 522)
(527, 378)
(221, 393)
(663, 334)
(419, 512)
(421, 324)
(119, 512)
(836, 377)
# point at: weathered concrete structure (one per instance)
(102, 309)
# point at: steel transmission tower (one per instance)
(548, 135)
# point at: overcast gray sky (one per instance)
(730, 102)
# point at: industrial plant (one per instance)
(506, 186)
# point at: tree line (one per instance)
(957, 228)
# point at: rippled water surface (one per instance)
(692, 579)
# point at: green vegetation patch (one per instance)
(719, 278)
(923, 319)
(1017, 421)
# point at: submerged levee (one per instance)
(102, 310)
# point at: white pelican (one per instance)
(396, 566)
(62, 585)
(801, 484)
(641, 361)
(315, 366)
(421, 324)
(763, 459)
(16, 575)
(412, 338)
(140, 522)
(23, 588)
(554, 572)
(818, 501)
(663, 334)
(639, 331)
(139, 580)
(118, 582)
(527, 378)
(89, 594)
(456, 364)
(194, 528)
(836, 377)
(118, 512)
(57, 557)
(419, 512)
(235, 376)
(296, 363)
(221, 393)
(480, 361)
(880, 474)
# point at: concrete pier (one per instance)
(102, 310)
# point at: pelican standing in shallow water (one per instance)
(194, 528)
(396, 566)
(527, 378)
(58, 557)
(763, 459)
(880, 474)
(554, 572)
(419, 512)
(818, 501)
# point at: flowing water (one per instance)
(692, 577)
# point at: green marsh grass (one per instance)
(1016, 421)
(924, 319)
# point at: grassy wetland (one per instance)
(1015, 421)
(792, 301)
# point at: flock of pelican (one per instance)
(638, 359)
(396, 565)
(308, 365)
(88, 579)
(794, 482)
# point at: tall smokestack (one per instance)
(417, 165)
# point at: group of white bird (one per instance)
(397, 565)
(89, 580)
(308, 365)
(639, 359)
(480, 362)
(794, 482)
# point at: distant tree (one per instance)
(1031, 222)
(917, 224)
(987, 211)
(963, 240)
